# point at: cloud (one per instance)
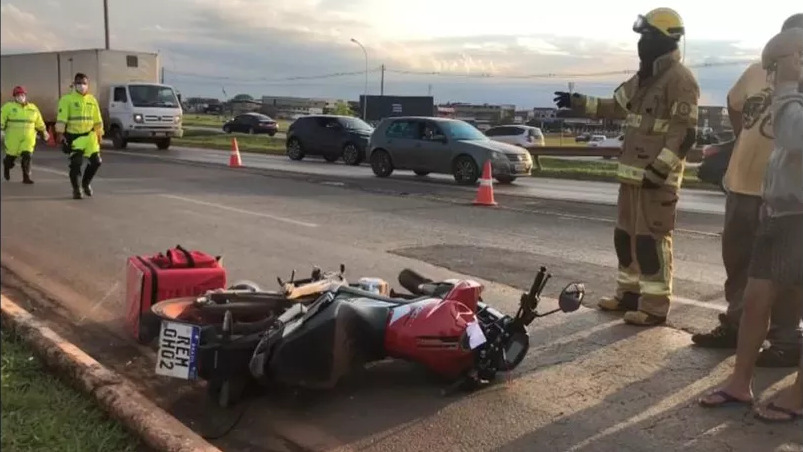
(248, 45)
(22, 31)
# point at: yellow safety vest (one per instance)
(20, 122)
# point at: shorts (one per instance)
(778, 251)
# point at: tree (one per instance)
(241, 97)
(343, 109)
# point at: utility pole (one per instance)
(162, 75)
(382, 82)
(106, 21)
(429, 90)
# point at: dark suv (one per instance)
(330, 136)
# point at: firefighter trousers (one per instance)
(643, 243)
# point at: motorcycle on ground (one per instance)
(239, 336)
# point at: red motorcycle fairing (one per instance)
(432, 332)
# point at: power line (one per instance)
(481, 75)
(269, 80)
(553, 74)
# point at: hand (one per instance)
(563, 99)
(788, 69)
(46, 136)
(653, 178)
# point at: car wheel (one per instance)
(294, 149)
(381, 163)
(270, 134)
(226, 129)
(331, 158)
(351, 154)
(421, 173)
(117, 138)
(465, 170)
(506, 179)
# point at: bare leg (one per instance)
(759, 296)
(788, 403)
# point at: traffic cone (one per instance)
(234, 159)
(485, 194)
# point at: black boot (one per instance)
(26, 168)
(89, 174)
(8, 163)
(75, 173)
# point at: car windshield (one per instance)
(153, 96)
(459, 130)
(356, 124)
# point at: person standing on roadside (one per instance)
(19, 122)
(749, 105)
(79, 127)
(659, 105)
(777, 260)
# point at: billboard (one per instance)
(380, 107)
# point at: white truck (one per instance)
(135, 107)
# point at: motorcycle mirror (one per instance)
(342, 269)
(571, 297)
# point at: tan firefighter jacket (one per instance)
(660, 117)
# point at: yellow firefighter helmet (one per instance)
(663, 20)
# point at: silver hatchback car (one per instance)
(443, 146)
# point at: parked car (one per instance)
(251, 123)
(583, 137)
(606, 143)
(330, 136)
(443, 146)
(524, 136)
(716, 158)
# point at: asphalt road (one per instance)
(589, 382)
(692, 200)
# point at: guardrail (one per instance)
(695, 154)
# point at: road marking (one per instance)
(51, 171)
(699, 304)
(243, 211)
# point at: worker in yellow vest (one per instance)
(659, 106)
(19, 122)
(79, 128)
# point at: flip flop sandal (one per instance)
(727, 399)
(793, 415)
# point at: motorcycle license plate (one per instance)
(178, 350)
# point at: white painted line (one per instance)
(699, 304)
(246, 212)
(49, 170)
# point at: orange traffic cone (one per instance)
(51, 140)
(485, 194)
(234, 160)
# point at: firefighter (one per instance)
(19, 121)
(79, 128)
(659, 107)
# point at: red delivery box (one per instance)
(176, 273)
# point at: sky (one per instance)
(480, 52)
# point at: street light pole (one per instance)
(365, 95)
(106, 21)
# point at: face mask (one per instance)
(20, 99)
(80, 87)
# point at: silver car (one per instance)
(444, 146)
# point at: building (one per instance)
(545, 113)
(286, 107)
(482, 113)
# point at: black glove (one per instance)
(653, 178)
(563, 99)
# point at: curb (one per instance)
(112, 392)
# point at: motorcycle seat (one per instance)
(375, 296)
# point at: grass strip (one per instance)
(40, 412)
